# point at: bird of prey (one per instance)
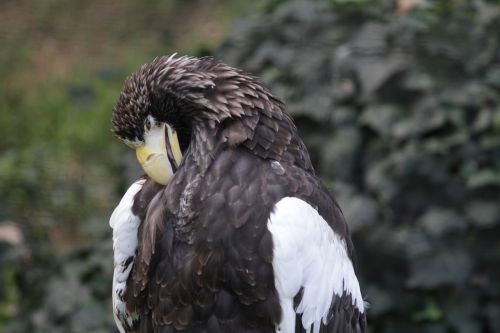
(230, 229)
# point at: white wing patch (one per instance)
(308, 254)
(124, 224)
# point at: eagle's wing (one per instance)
(314, 276)
(125, 225)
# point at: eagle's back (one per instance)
(205, 262)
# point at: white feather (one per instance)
(308, 253)
(124, 224)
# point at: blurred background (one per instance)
(397, 101)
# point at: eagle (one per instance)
(230, 229)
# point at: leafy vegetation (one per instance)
(398, 102)
(399, 105)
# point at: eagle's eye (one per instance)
(148, 124)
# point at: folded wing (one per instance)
(314, 275)
(125, 225)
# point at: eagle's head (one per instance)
(156, 109)
(171, 102)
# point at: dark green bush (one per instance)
(401, 114)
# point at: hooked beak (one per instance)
(161, 154)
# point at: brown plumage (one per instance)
(204, 255)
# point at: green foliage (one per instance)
(59, 174)
(55, 140)
(400, 113)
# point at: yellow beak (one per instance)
(161, 154)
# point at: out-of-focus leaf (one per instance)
(418, 80)
(449, 267)
(339, 152)
(420, 123)
(483, 120)
(381, 118)
(493, 76)
(373, 73)
(361, 211)
(461, 315)
(417, 243)
(379, 181)
(493, 314)
(431, 312)
(438, 222)
(483, 213)
(381, 301)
